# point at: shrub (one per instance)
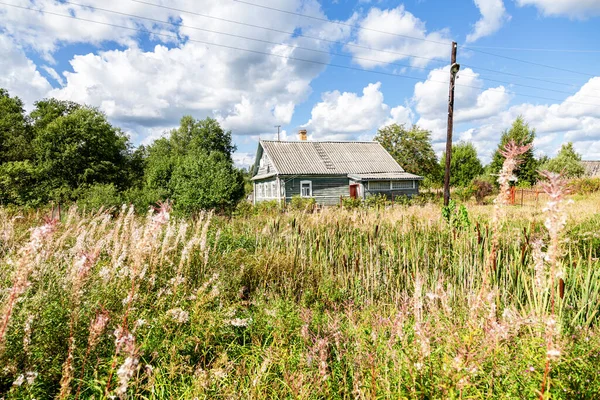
(98, 196)
(377, 200)
(403, 200)
(585, 185)
(267, 207)
(482, 189)
(464, 193)
(302, 203)
(350, 203)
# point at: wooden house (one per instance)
(327, 170)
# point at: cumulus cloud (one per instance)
(20, 75)
(493, 16)
(430, 100)
(580, 9)
(396, 46)
(344, 115)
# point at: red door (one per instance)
(354, 191)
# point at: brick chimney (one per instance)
(302, 134)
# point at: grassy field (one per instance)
(388, 303)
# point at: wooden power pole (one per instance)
(454, 68)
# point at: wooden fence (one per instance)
(527, 197)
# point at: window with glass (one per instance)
(379, 185)
(274, 189)
(403, 185)
(306, 189)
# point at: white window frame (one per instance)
(302, 183)
(260, 190)
(274, 189)
(406, 188)
(379, 189)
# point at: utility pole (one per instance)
(454, 68)
(278, 126)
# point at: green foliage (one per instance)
(193, 167)
(567, 162)
(203, 181)
(585, 185)
(464, 164)
(377, 200)
(99, 196)
(78, 149)
(465, 193)
(15, 130)
(351, 203)
(19, 184)
(411, 148)
(457, 218)
(522, 134)
(302, 203)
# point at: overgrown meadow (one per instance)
(490, 302)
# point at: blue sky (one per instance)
(195, 65)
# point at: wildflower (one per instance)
(97, 327)
(240, 322)
(19, 381)
(553, 353)
(124, 373)
(178, 315)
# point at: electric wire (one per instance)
(280, 56)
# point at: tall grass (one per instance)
(385, 303)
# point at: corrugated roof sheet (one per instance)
(396, 176)
(329, 158)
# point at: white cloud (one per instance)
(397, 46)
(471, 104)
(342, 116)
(20, 75)
(581, 9)
(493, 16)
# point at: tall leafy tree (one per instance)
(206, 181)
(411, 148)
(464, 164)
(520, 133)
(194, 167)
(77, 148)
(15, 131)
(567, 161)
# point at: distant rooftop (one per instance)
(592, 168)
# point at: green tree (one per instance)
(193, 166)
(15, 131)
(522, 134)
(464, 164)
(79, 148)
(567, 162)
(206, 181)
(411, 148)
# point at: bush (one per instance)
(403, 200)
(482, 189)
(350, 203)
(464, 193)
(585, 185)
(142, 199)
(244, 209)
(302, 203)
(377, 200)
(95, 197)
(267, 207)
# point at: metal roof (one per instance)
(395, 176)
(329, 158)
(592, 168)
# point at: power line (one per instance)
(531, 49)
(529, 62)
(308, 48)
(349, 44)
(278, 55)
(358, 46)
(410, 37)
(305, 48)
(340, 22)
